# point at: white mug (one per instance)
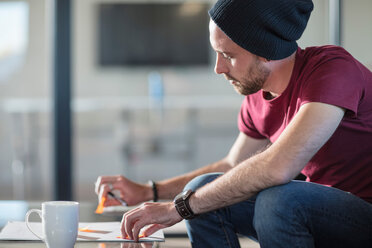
(60, 221)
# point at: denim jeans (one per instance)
(296, 214)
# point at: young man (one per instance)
(306, 111)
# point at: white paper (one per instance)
(100, 231)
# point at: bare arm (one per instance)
(305, 135)
(281, 162)
(164, 214)
(134, 193)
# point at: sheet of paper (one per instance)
(88, 231)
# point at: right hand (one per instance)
(132, 193)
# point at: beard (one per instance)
(254, 79)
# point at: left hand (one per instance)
(156, 214)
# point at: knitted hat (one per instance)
(267, 28)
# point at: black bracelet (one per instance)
(154, 190)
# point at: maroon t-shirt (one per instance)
(326, 74)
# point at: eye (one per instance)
(226, 56)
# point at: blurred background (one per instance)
(145, 101)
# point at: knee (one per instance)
(277, 196)
(201, 180)
(275, 204)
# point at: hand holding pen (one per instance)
(122, 202)
(122, 188)
(102, 201)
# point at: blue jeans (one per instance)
(297, 214)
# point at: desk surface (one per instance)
(170, 242)
(87, 215)
(35, 244)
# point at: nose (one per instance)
(220, 66)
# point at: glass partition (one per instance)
(24, 101)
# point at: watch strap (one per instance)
(183, 206)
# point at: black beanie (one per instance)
(267, 28)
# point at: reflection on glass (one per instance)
(13, 38)
(127, 245)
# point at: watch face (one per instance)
(186, 193)
(182, 205)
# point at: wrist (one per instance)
(174, 213)
(147, 192)
(182, 205)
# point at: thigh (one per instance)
(241, 216)
(325, 216)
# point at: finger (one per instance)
(97, 185)
(103, 180)
(152, 229)
(111, 179)
(137, 228)
(106, 180)
(119, 188)
(127, 223)
(129, 226)
(111, 202)
(103, 193)
(122, 227)
(131, 218)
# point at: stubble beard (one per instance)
(254, 80)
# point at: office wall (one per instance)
(356, 34)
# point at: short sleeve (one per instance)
(245, 123)
(336, 81)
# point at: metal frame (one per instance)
(62, 140)
(335, 22)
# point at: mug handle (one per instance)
(29, 212)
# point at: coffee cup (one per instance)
(60, 221)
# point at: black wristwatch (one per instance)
(181, 202)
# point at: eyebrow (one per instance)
(227, 53)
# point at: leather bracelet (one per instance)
(154, 190)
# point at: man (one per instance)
(306, 111)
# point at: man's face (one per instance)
(244, 70)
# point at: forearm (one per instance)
(168, 189)
(240, 183)
(280, 163)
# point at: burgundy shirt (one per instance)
(326, 74)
